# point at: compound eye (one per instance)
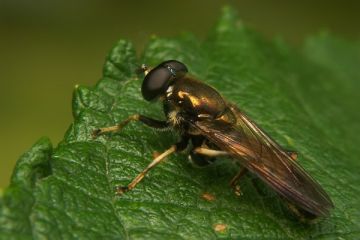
(156, 82)
(178, 67)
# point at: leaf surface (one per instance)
(306, 101)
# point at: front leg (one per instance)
(120, 190)
(136, 117)
(180, 146)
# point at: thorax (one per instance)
(189, 98)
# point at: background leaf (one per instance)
(306, 101)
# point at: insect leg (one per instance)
(292, 154)
(215, 153)
(180, 146)
(198, 159)
(237, 177)
(210, 152)
(140, 176)
(136, 117)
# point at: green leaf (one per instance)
(306, 101)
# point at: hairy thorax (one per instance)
(191, 99)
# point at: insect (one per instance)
(214, 127)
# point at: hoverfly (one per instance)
(215, 127)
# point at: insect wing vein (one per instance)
(264, 157)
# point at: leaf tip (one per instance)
(121, 62)
(229, 20)
(80, 99)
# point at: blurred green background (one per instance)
(46, 47)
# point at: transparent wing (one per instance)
(264, 157)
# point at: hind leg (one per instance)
(234, 181)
